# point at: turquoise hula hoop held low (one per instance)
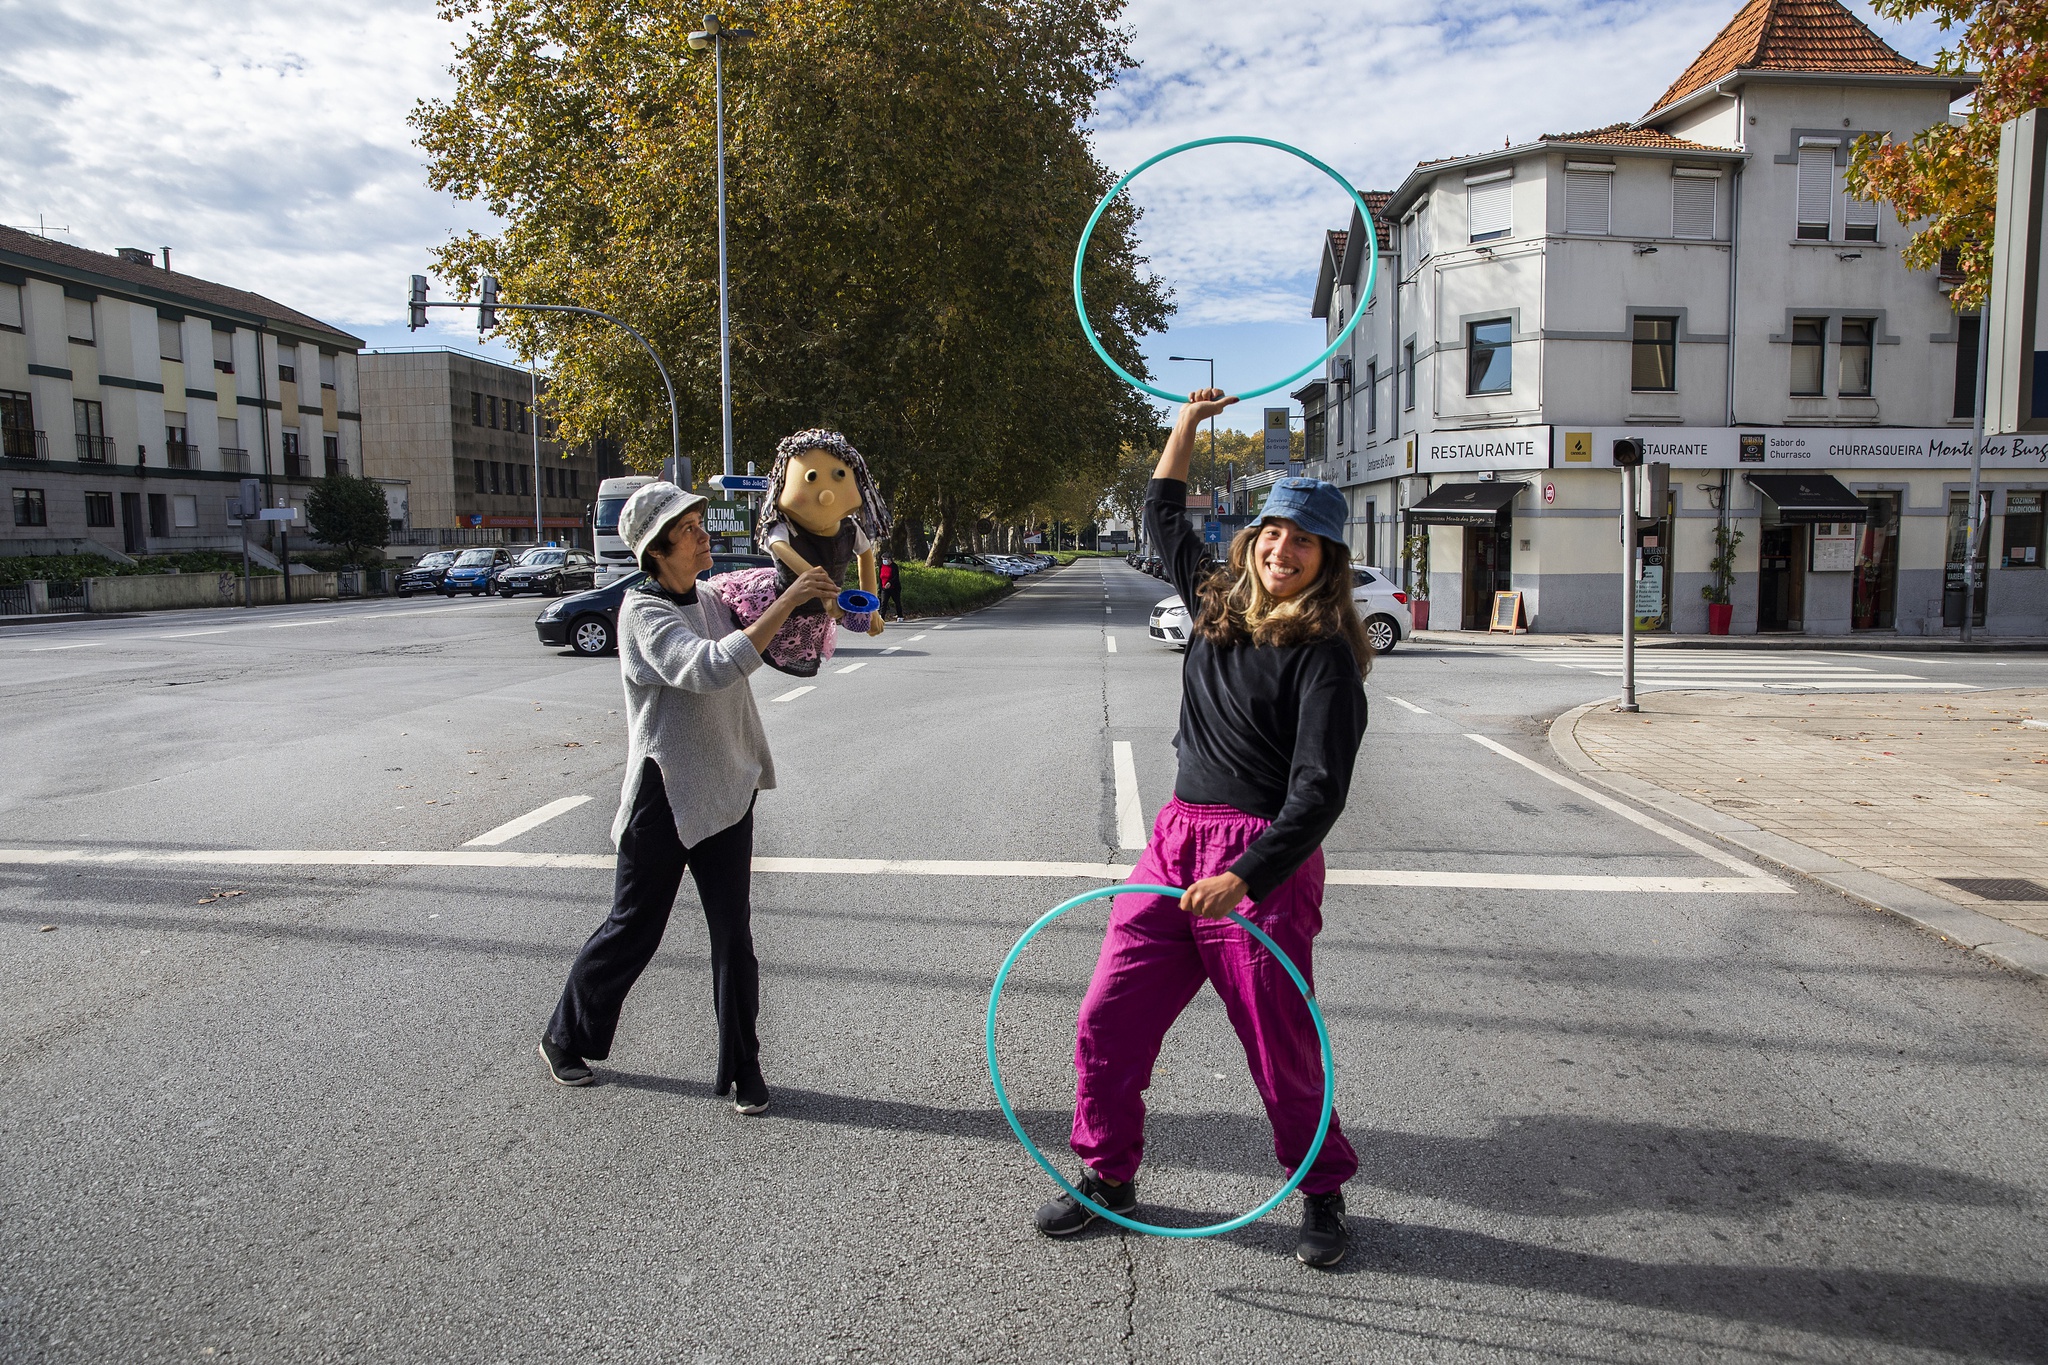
(1088, 234)
(995, 1073)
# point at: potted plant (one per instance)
(1720, 611)
(1417, 551)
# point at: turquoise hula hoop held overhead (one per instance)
(995, 1074)
(1087, 234)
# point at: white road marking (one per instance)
(939, 627)
(867, 867)
(1409, 705)
(850, 667)
(45, 649)
(188, 634)
(316, 621)
(913, 639)
(1111, 640)
(795, 692)
(1106, 611)
(892, 649)
(533, 819)
(1130, 813)
(1629, 813)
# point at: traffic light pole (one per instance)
(418, 320)
(1628, 458)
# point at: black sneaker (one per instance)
(565, 1066)
(1065, 1215)
(1324, 1235)
(750, 1096)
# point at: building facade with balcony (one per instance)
(1698, 279)
(458, 432)
(134, 399)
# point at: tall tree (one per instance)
(351, 514)
(1948, 173)
(906, 180)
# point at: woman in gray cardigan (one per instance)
(695, 756)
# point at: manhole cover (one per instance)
(2000, 888)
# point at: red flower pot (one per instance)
(1720, 615)
(1419, 609)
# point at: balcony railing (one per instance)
(19, 443)
(95, 449)
(234, 459)
(297, 466)
(181, 454)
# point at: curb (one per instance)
(1838, 644)
(1953, 923)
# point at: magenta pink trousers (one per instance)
(1156, 956)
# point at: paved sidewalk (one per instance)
(1914, 789)
(1862, 643)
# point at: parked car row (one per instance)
(546, 569)
(1010, 566)
(589, 621)
(1382, 606)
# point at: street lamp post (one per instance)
(1211, 363)
(717, 36)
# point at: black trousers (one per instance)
(893, 593)
(650, 872)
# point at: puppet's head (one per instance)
(818, 480)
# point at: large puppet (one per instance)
(822, 511)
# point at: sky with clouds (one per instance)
(267, 145)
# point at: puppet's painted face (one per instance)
(818, 491)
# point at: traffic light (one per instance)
(418, 305)
(487, 311)
(1628, 453)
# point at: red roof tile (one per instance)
(1791, 35)
(196, 293)
(1622, 135)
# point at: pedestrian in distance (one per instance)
(1272, 714)
(892, 586)
(696, 756)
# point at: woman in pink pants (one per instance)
(1272, 712)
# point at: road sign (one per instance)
(739, 483)
(278, 514)
(726, 517)
(1212, 531)
(1276, 438)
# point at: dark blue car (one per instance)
(471, 572)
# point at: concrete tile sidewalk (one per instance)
(1862, 643)
(1913, 788)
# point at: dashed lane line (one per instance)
(1130, 812)
(1111, 641)
(533, 819)
(872, 867)
(796, 692)
(850, 667)
(1410, 706)
(48, 649)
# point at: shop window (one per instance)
(1809, 356)
(2022, 531)
(170, 338)
(1857, 335)
(1695, 203)
(1816, 192)
(99, 509)
(184, 511)
(28, 507)
(78, 316)
(1967, 332)
(1490, 207)
(1653, 361)
(1589, 200)
(1489, 357)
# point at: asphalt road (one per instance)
(1619, 1096)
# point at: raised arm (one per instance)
(1202, 404)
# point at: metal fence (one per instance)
(67, 594)
(14, 600)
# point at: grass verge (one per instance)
(69, 568)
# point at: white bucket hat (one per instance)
(649, 511)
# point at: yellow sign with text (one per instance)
(1578, 447)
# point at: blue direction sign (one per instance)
(739, 483)
(1212, 531)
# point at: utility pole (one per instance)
(1973, 523)
(533, 418)
(716, 36)
(1628, 458)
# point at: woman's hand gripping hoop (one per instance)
(1372, 271)
(1322, 1036)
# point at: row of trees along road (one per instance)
(906, 181)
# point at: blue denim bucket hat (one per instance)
(1311, 504)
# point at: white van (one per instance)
(614, 560)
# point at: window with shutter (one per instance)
(1693, 204)
(1816, 192)
(78, 313)
(1859, 219)
(1588, 201)
(170, 339)
(1490, 209)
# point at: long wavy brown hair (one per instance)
(1237, 608)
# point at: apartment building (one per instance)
(460, 432)
(134, 399)
(1700, 279)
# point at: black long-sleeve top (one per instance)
(1271, 730)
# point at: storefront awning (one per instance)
(1465, 504)
(1806, 498)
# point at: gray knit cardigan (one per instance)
(690, 708)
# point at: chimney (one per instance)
(135, 255)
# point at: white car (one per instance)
(1381, 605)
